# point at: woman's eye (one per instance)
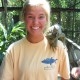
(41, 17)
(30, 17)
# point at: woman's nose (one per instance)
(35, 20)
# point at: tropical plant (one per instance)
(9, 36)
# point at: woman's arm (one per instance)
(64, 66)
(6, 72)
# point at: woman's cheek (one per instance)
(29, 21)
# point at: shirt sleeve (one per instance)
(64, 66)
(6, 69)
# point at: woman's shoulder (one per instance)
(17, 44)
(61, 44)
(21, 41)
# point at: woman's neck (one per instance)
(35, 39)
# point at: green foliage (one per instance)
(9, 36)
(17, 32)
(59, 3)
(17, 3)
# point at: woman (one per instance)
(32, 58)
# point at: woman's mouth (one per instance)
(35, 28)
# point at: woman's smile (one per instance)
(35, 28)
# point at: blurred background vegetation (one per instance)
(64, 12)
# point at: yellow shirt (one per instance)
(35, 61)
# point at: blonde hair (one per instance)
(42, 3)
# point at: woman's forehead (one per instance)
(35, 9)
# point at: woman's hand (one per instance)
(75, 72)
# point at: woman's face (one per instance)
(35, 20)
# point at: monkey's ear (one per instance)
(55, 30)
